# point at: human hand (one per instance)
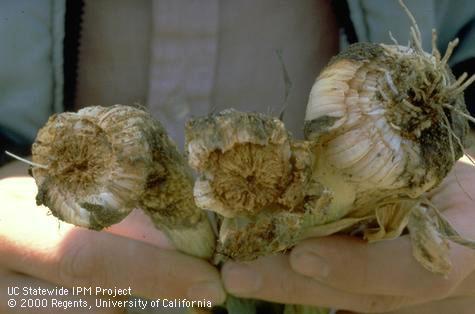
(346, 273)
(37, 250)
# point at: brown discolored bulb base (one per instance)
(257, 179)
(102, 162)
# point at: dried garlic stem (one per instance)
(168, 200)
(104, 161)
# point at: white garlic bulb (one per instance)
(387, 120)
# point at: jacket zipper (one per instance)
(72, 38)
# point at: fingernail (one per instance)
(240, 279)
(310, 264)
(209, 290)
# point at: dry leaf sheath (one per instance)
(102, 162)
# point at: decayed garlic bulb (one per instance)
(102, 162)
(244, 160)
(90, 178)
(256, 178)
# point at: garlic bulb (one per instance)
(102, 162)
(96, 165)
(388, 119)
(244, 160)
(389, 122)
(256, 178)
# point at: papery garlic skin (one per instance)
(377, 113)
(429, 246)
